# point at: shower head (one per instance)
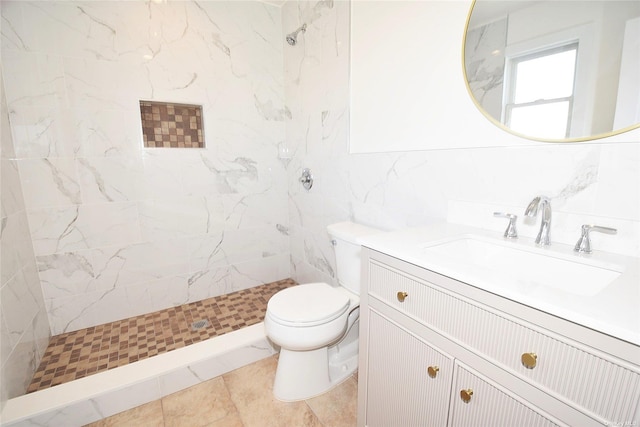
(292, 38)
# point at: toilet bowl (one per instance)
(316, 324)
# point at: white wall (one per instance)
(119, 230)
(588, 183)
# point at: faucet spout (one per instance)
(541, 203)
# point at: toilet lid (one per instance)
(308, 304)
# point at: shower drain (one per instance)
(199, 324)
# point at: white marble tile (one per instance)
(80, 311)
(127, 397)
(139, 300)
(70, 273)
(50, 182)
(108, 132)
(37, 99)
(619, 181)
(12, 199)
(81, 413)
(19, 306)
(94, 84)
(255, 210)
(6, 139)
(235, 246)
(224, 279)
(19, 367)
(485, 63)
(210, 173)
(180, 217)
(56, 230)
(207, 369)
(207, 283)
(163, 174)
(33, 79)
(69, 28)
(5, 348)
(111, 179)
(41, 333)
(168, 292)
(14, 245)
(14, 36)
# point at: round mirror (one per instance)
(559, 70)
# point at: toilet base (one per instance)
(304, 374)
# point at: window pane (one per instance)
(544, 120)
(545, 77)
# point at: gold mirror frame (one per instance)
(501, 125)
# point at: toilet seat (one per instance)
(307, 305)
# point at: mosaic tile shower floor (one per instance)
(88, 351)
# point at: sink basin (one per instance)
(508, 264)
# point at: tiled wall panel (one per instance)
(120, 229)
(24, 327)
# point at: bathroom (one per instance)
(96, 228)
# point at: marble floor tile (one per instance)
(339, 406)
(199, 405)
(250, 389)
(148, 415)
(231, 420)
(243, 398)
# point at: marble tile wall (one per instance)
(119, 230)
(587, 182)
(484, 64)
(24, 327)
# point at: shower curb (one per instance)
(98, 396)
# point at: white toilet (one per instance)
(316, 324)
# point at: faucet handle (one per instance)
(584, 242)
(510, 232)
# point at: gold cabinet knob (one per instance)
(433, 371)
(529, 360)
(465, 395)
(402, 295)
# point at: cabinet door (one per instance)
(408, 381)
(477, 402)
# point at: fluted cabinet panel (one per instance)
(602, 387)
(489, 405)
(400, 391)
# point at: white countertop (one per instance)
(615, 310)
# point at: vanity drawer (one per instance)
(474, 400)
(600, 386)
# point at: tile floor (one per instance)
(88, 351)
(243, 398)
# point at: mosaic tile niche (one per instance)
(173, 125)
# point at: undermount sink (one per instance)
(510, 263)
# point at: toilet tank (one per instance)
(346, 239)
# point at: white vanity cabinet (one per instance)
(415, 322)
(415, 377)
(476, 401)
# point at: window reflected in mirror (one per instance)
(540, 92)
(555, 70)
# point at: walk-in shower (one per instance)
(292, 38)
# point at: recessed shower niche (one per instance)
(171, 125)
